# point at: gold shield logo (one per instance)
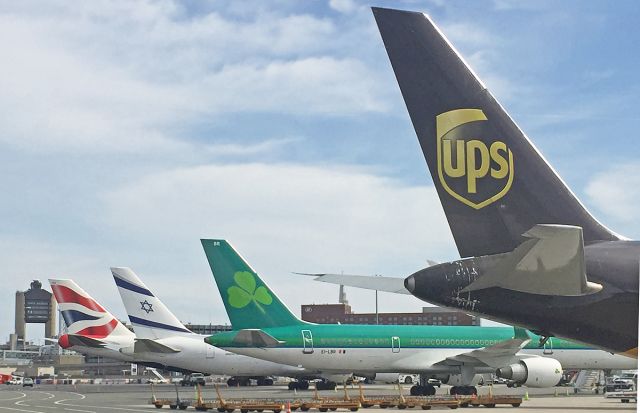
(476, 172)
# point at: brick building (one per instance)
(341, 313)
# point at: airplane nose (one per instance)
(410, 283)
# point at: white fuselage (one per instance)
(194, 354)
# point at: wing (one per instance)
(256, 338)
(550, 262)
(80, 340)
(497, 355)
(367, 282)
(143, 345)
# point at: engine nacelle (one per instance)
(533, 372)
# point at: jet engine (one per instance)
(533, 372)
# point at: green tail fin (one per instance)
(250, 303)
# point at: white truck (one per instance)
(624, 387)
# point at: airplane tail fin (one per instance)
(83, 316)
(493, 183)
(247, 298)
(151, 319)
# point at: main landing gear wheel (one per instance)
(298, 385)
(326, 385)
(463, 390)
(419, 390)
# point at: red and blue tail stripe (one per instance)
(65, 295)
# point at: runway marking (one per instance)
(51, 395)
(105, 407)
(60, 403)
(82, 396)
(14, 398)
(78, 410)
(21, 410)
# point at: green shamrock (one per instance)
(245, 291)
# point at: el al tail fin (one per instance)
(84, 316)
(492, 182)
(249, 302)
(150, 318)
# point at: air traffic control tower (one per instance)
(34, 306)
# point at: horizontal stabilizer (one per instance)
(550, 262)
(255, 338)
(367, 282)
(145, 345)
(79, 340)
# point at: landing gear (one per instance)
(543, 340)
(326, 385)
(419, 390)
(265, 381)
(238, 381)
(299, 385)
(463, 391)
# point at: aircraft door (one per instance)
(307, 342)
(395, 344)
(548, 346)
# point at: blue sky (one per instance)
(129, 130)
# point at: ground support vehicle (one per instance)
(624, 396)
(173, 404)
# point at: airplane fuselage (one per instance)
(409, 349)
(195, 355)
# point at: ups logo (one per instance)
(476, 172)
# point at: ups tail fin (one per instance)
(150, 318)
(83, 315)
(492, 182)
(249, 302)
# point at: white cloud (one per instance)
(616, 192)
(282, 218)
(343, 6)
(120, 76)
(233, 149)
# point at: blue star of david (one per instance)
(146, 306)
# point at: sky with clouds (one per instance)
(130, 130)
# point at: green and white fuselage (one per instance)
(368, 349)
(265, 328)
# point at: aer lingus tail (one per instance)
(248, 300)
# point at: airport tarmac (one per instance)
(135, 398)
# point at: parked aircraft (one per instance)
(265, 328)
(532, 255)
(160, 337)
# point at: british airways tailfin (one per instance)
(151, 319)
(493, 183)
(84, 317)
